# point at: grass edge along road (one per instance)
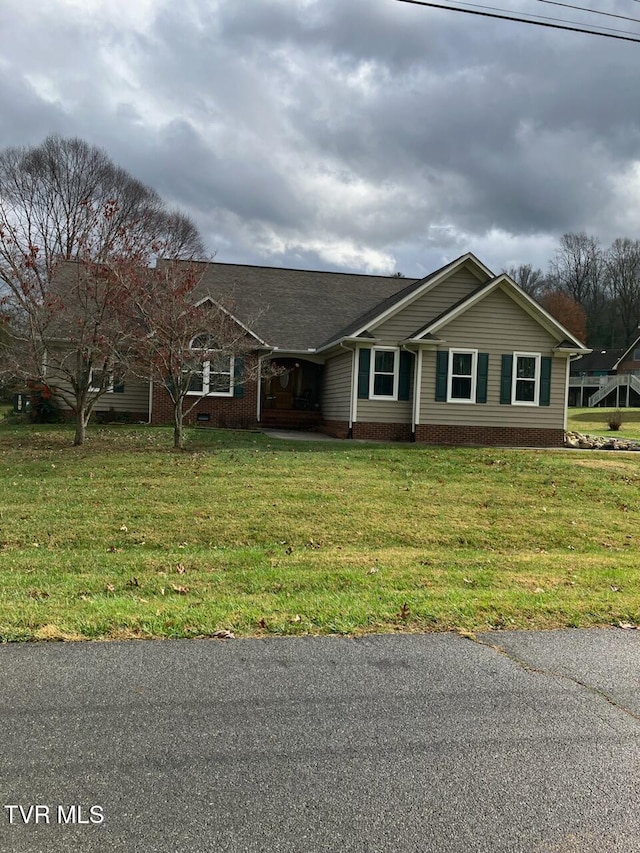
(247, 534)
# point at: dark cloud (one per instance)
(357, 134)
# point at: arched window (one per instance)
(214, 375)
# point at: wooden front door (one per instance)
(282, 389)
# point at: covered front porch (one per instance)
(290, 399)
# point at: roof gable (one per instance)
(566, 341)
(401, 300)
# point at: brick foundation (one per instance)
(223, 412)
(338, 429)
(382, 432)
(484, 435)
(111, 416)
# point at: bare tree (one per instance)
(531, 280)
(65, 211)
(190, 344)
(623, 273)
(579, 270)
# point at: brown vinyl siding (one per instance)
(336, 391)
(495, 325)
(407, 321)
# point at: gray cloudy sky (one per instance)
(366, 135)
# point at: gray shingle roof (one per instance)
(298, 309)
(599, 359)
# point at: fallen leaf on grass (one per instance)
(262, 624)
(133, 582)
(628, 626)
(110, 587)
(180, 569)
(224, 635)
(181, 590)
(372, 571)
(37, 594)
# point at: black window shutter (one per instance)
(404, 384)
(442, 366)
(364, 366)
(545, 381)
(238, 370)
(505, 379)
(483, 375)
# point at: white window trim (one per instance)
(535, 380)
(94, 389)
(474, 375)
(206, 380)
(396, 373)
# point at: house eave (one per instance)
(428, 284)
(345, 341)
(511, 289)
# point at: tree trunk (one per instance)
(80, 427)
(178, 428)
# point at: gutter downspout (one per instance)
(417, 391)
(417, 384)
(150, 402)
(259, 381)
(566, 394)
(353, 402)
(259, 394)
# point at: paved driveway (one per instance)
(397, 743)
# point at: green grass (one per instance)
(126, 538)
(594, 422)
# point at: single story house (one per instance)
(461, 356)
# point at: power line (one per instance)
(591, 11)
(539, 17)
(521, 20)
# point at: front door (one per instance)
(282, 389)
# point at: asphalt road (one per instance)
(398, 743)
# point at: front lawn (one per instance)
(594, 422)
(127, 538)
